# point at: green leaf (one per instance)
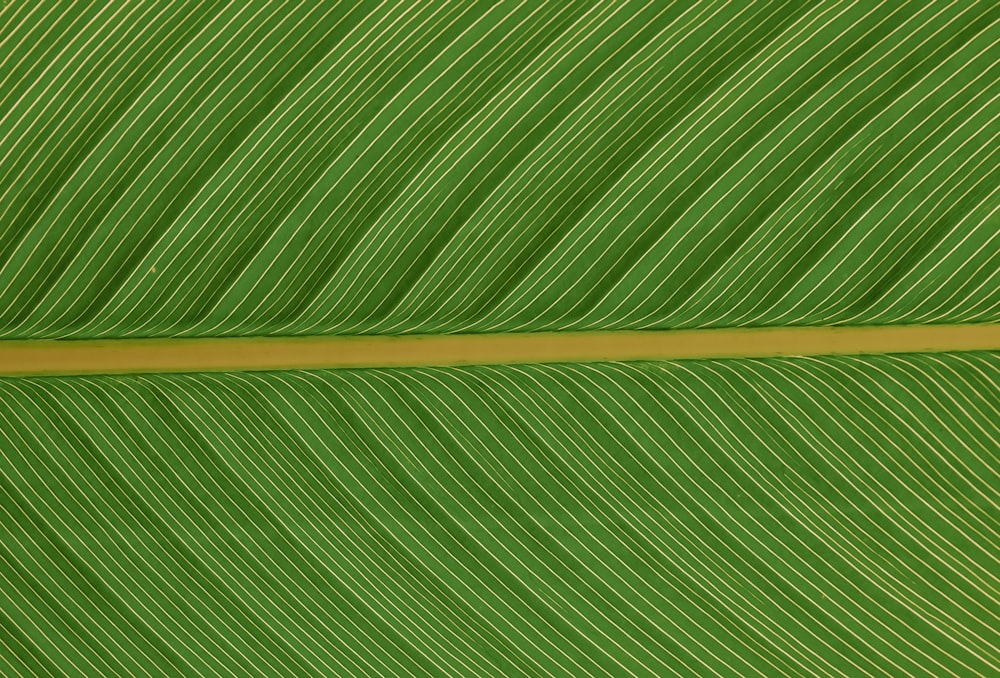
(197, 170)
(201, 168)
(743, 517)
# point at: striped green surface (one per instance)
(751, 517)
(196, 169)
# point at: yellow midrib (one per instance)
(119, 356)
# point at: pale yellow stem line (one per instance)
(118, 356)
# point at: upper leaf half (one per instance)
(196, 169)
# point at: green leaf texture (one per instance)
(201, 168)
(771, 517)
